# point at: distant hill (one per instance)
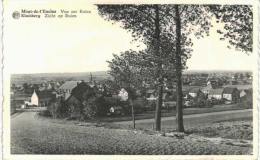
(43, 77)
(98, 76)
(215, 71)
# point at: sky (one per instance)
(85, 43)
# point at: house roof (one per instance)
(21, 96)
(80, 89)
(194, 90)
(217, 91)
(240, 87)
(229, 90)
(69, 85)
(45, 94)
(206, 88)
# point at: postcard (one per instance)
(130, 79)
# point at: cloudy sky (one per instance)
(33, 45)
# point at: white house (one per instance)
(34, 99)
(194, 92)
(231, 94)
(216, 93)
(242, 93)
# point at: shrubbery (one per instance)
(89, 108)
(93, 106)
(58, 109)
(139, 105)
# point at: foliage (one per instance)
(238, 25)
(165, 30)
(102, 107)
(139, 105)
(94, 107)
(89, 108)
(110, 87)
(58, 109)
(247, 100)
(45, 113)
(126, 70)
(155, 25)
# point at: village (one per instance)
(133, 79)
(199, 91)
(95, 112)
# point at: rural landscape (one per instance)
(148, 102)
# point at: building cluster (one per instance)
(213, 92)
(40, 95)
(198, 89)
(43, 94)
(230, 78)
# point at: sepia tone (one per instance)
(148, 99)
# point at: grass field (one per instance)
(170, 113)
(238, 129)
(32, 134)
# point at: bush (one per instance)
(45, 113)
(109, 102)
(102, 106)
(58, 109)
(247, 101)
(89, 108)
(139, 105)
(150, 106)
(94, 107)
(246, 104)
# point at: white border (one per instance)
(6, 91)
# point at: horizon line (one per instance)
(192, 70)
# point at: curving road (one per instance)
(193, 120)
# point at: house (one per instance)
(216, 93)
(198, 82)
(45, 97)
(116, 110)
(231, 94)
(77, 98)
(41, 98)
(151, 95)
(195, 92)
(34, 99)
(242, 93)
(66, 89)
(207, 88)
(18, 99)
(215, 82)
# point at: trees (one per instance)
(161, 27)
(58, 108)
(89, 108)
(179, 113)
(238, 25)
(154, 25)
(127, 74)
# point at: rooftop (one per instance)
(69, 85)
